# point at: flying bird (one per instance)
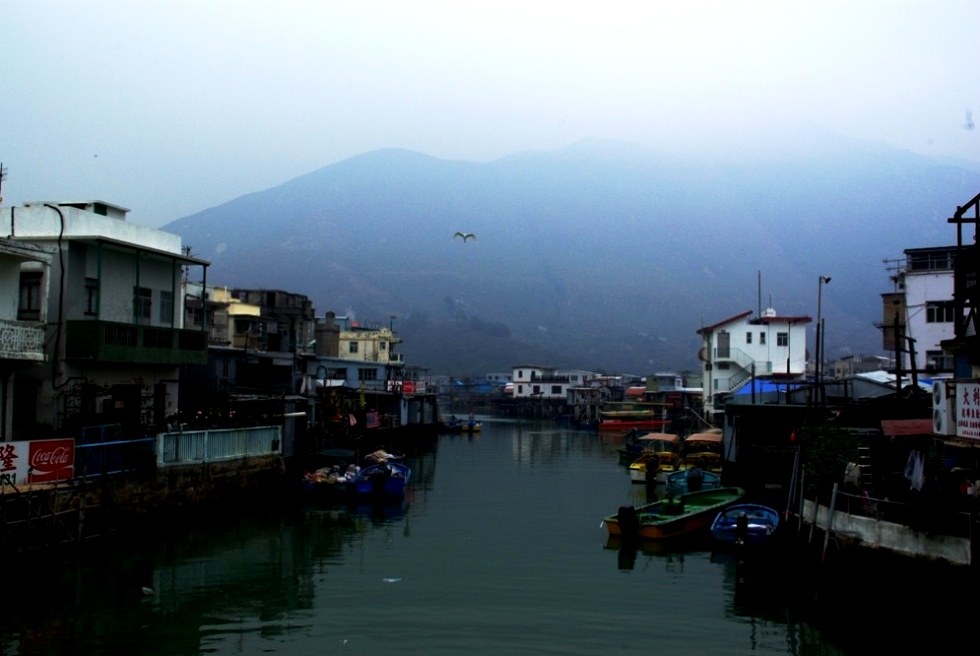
(465, 235)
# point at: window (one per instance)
(782, 339)
(166, 307)
(556, 389)
(337, 374)
(939, 312)
(142, 302)
(91, 297)
(382, 345)
(762, 338)
(936, 361)
(367, 374)
(748, 338)
(30, 296)
(352, 347)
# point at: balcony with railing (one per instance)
(21, 340)
(107, 341)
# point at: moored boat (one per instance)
(637, 442)
(673, 516)
(677, 482)
(663, 451)
(704, 450)
(455, 425)
(745, 523)
(385, 478)
(624, 416)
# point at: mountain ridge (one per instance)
(601, 255)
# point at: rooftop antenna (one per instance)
(758, 293)
(3, 176)
(894, 268)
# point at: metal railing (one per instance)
(21, 340)
(201, 446)
(742, 359)
(104, 458)
(936, 517)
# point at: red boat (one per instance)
(643, 424)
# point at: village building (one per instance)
(108, 296)
(745, 347)
(920, 313)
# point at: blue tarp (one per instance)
(767, 386)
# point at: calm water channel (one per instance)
(498, 549)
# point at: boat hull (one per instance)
(385, 479)
(639, 424)
(676, 483)
(662, 520)
(758, 527)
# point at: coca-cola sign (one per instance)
(37, 461)
(51, 460)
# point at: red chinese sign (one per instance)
(968, 410)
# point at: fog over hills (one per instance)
(601, 255)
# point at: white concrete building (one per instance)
(539, 382)
(923, 304)
(735, 349)
(113, 314)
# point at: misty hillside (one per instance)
(601, 255)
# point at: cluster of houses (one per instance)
(110, 331)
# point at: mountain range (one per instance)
(602, 255)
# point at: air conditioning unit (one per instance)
(943, 413)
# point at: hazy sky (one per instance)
(169, 108)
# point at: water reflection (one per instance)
(496, 548)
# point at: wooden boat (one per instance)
(384, 478)
(703, 449)
(673, 516)
(677, 482)
(645, 422)
(745, 523)
(623, 416)
(335, 473)
(638, 442)
(664, 451)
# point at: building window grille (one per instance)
(91, 297)
(142, 303)
(30, 296)
(940, 312)
(166, 307)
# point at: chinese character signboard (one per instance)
(38, 461)
(968, 410)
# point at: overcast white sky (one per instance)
(169, 108)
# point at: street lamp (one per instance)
(819, 345)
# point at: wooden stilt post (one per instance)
(830, 523)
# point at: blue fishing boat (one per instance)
(745, 523)
(677, 482)
(387, 478)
